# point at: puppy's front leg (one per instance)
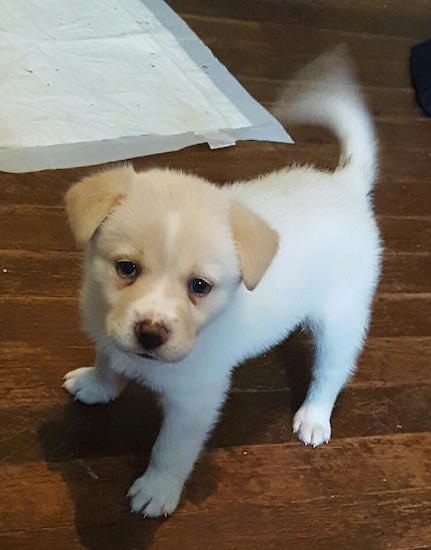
(188, 419)
(98, 384)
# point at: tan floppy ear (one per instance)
(256, 242)
(89, 201)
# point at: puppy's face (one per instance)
(164, 261)
(166, 264)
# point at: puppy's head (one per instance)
(165, 253)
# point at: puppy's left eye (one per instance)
(126, 269)
(199, 287)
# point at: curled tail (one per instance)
(325, 93)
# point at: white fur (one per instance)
(173, 223)
(323, 276)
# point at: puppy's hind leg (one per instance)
(338, 341)
(98, 384)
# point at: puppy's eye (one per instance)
(126, 269)
(199, 286)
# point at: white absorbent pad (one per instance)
(89, 81)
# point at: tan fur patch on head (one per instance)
(89, 201)
(176, 228)
(256, 242)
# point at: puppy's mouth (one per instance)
(146, 355)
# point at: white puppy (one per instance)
(183, 280)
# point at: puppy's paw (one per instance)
(87, 387)
(154, 494)
(312, 424)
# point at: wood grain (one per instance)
(369, 17)
(269, 491)
(45, 228)
(65, 467)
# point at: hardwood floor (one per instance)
(65, 468)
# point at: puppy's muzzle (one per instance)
(151, 335)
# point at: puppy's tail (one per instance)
(325, 93)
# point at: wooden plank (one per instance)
(385, 362)
(389, 69)
(406, 273)
(57, 274)
(385, 103)
(410, 308)
(32, 321)
(394, 198)
(65, 467)
(56, 538)
(392, 18)
(45, 228)
(46, 187)
(396, 521)
(27, 273)
(264, 64)
(291, 483)
(246, 160)
(394, 133)
(406, 234)
(63, 429)
(278, 36)
(35, 228)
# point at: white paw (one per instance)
(86, 386)
(312, 424)
(154, 494)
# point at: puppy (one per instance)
(183, 280)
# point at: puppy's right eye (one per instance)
(199, 287)
(126, 269)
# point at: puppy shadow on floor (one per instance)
(266, 393)
(295, 357)
(99, 450)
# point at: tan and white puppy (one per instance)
(183, 280)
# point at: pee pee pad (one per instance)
(84, 82)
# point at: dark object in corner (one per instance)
(420, 67)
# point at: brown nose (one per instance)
(151, 335)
